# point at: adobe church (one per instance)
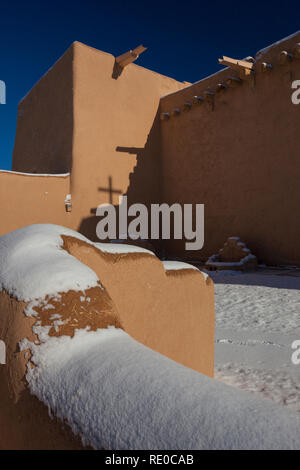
(96, 127)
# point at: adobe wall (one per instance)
(241, 159)
(44, 134)
(169, 311)
(116, 134)
(30, 199)
(82, 118)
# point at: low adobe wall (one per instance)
(240, 157)
(28, 199)
(170, 311)
(102, 385)
(25, 423)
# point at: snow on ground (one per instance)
(257, 320)
(118, 394)
(281, 387)
(252, 300)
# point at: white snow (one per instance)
(278, 385)
(58, 175)
(118, 394)
(257, 320)
(177, 265)
(119, 248)
(252, 300)
(33, 264)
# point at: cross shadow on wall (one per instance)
(88, 225)
(144, 183)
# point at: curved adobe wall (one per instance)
(169, 311)
(25, 423)
(241, 159)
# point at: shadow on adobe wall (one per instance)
(144, 184)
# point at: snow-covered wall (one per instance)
(74, 315)
(117, 394)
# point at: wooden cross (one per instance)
(110, 190)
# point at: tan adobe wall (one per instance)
(30, 199)
(169, 311)
(44, 133)
(80, 118)
(241, 159)
(115, 130)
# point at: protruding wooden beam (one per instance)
(198, 99)
(245, 74)
(285, 57)
(296, 51)
(221, 87)
(265, 67)
(236, 64)
(208, 95)
(176, 112)
(233, 82)
(187, 106)
(130, 56)
(165, 116)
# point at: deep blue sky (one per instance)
(185, 39)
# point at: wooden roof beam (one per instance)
(236, 64)
(130, 56)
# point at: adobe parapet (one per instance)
(232, 144)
